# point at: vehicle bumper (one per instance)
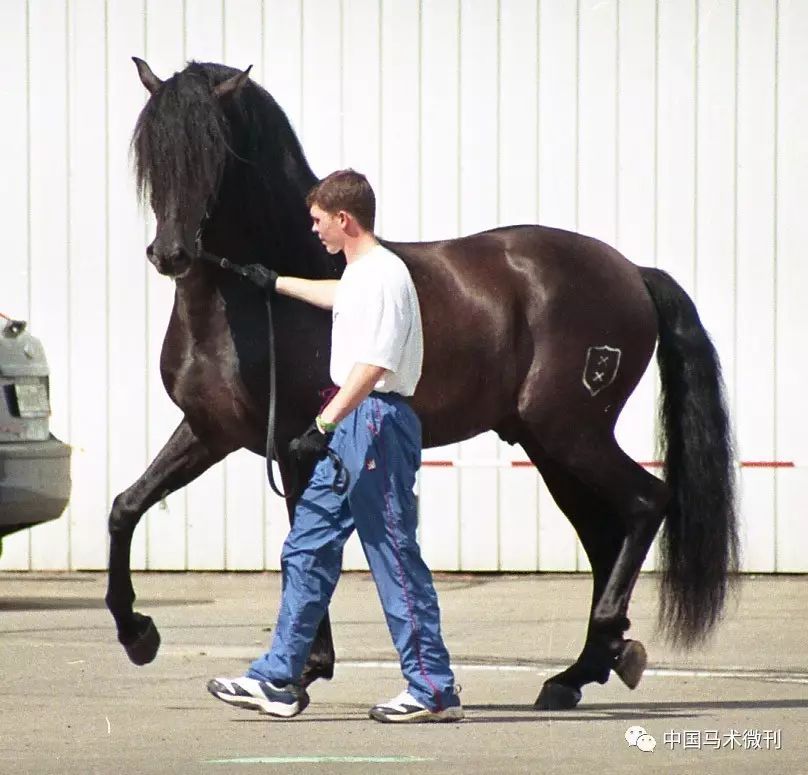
(34, 482)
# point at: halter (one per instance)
(258, 274)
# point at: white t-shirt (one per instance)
(376, 320)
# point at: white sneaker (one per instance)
(281, 701)
(405, 709)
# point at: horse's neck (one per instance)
(269, 227)
(197, 302)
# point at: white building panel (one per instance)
(518, 115)
(791, 271)
(674, 131)
(715, 258)
(87, 283)
(756, 259)
(518, 523)
(400, 175)
(558, 114)
(439, 528)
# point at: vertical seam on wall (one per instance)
(576, 540)
(458, 476)
(28, 185)
(380, 99)
(735, 221)
(498, 215)
(184, 14)
(185, 531)
(775, 192)
(617, 156)
(107, 402)
(537, 481)
(302, 68)
(342, 83)
(224, 31)
(28, 150)
(225, 476)
(420, 172)
(538, 110)
(264, 494)
(577, 195)
(262, 58)
(655, 214)
(146, 392)
(696, 48)
(68, 253)
(459, 117)
(656, 139)
(498, 122)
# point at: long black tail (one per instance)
(699, 538)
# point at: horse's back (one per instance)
(552, 278)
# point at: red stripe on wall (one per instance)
(645, 463)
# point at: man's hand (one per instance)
(261, 276)
(310, 445)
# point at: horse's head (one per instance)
(181, 143)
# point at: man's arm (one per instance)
(360, 382)
(320, 293)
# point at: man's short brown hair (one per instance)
(346, 190)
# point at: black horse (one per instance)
(536, 333)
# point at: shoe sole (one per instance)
(422, 717)
(267, 707)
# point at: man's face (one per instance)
(329, 228)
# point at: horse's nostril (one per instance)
(150, 249)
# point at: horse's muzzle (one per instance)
(174, 262)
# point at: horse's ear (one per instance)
(147, 77)
(232, 84)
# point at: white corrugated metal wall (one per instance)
(675, 131)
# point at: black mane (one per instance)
(238, 153)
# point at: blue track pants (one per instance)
(380, 445)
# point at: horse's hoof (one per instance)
(555, 696)
(631, 663)
(143, 649)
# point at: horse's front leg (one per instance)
(180, 461)
(320, 663)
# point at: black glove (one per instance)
(261, 276)
(310, 445)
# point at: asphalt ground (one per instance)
(71, 702)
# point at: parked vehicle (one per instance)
(34, 464)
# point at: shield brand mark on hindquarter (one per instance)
(601, 367)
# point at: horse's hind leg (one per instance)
(616, 507)
(638, 499)
(179, 462)
(601, 535)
